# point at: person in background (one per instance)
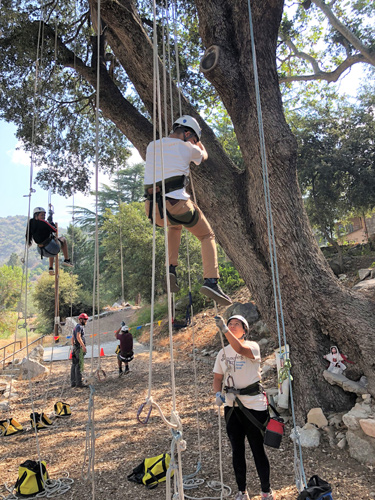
(79, 351)
(126, 353)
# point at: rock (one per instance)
(368, 426)
(35, 369)
(363, 273)
(261, 328)
(344, 382)
(309, 436)
(363, 381)
(372, 273)
(270, 362)
(335, 266)
(266, 369)
(367, 287)
(316, 416)
(352, 418)
(262, 342)
(37, 354)
(4, 406)
(336, 419)
(10, 395)
(247, 310)
(342, 443)
(340, 435)
(361, 447)
(342, 277)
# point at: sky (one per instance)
(15, 182)
(15, 171)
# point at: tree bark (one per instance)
(318, 310)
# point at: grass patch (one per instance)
(144, 315)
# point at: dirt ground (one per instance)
(122, 443)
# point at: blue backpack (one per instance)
(317, 489)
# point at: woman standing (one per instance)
(238, 364)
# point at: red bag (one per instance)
(274, 432)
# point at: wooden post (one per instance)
(57, 305)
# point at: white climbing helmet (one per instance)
(189, 121)
(37, 210)
(125, 328)
(243, 321)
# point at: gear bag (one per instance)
(151, 471)
(41, 420)
(62, 409)
(30, 480)
(9, 427)
(317, 489)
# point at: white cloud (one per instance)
(19, 156)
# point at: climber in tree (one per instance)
(173, 155)
(43, 231)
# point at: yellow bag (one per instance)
(41, 420)
(29, 480)
(118, 350)
(9, 427)
(151, 471)
(62, 409)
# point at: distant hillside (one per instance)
(12, 240)
(12, 236)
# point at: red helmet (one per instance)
(83, 316)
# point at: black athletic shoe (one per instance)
(173, 279)
(67, 263)
(212, 290)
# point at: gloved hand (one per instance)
(220, 323)
(122, 323)
(220, 399)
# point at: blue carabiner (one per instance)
(145, 421)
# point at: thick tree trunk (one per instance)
(318, 310)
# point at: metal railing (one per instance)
(39, 339)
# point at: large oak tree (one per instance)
(318, 310)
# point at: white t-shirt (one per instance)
(245, 371)
(177, 156)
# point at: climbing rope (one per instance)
(300, 477)
(88, 472)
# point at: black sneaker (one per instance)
(212, 290)
(51, 271)
(67, 263)
(173, 279)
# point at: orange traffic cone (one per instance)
(71, 354)
(101, 352)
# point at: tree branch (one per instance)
(367, 54)
(331, 76)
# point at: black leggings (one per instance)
(238, 428)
